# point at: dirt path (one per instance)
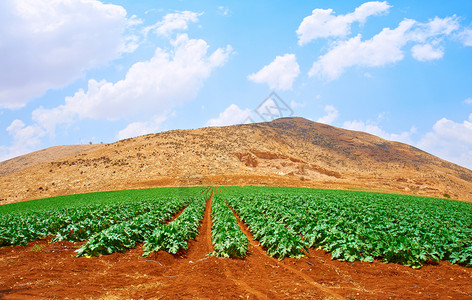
(176, 215)
(202, 245)
(43, 270)
(206, 190)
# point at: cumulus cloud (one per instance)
(140, 128)
(150, 88)
(385, 47)
(466, 37)
(172, 22)
(323, 23)
(25, 139)
(450, 140)
(373, 128)
(435, 27)
(426, 52)
(232, 115)
(49, 44)
(331, 115)
(279, 74)
(468, 101)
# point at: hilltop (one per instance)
(284, 152)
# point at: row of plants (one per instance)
(73, 224)
(125, 235)
(365, 226)
(174, 236)
(227, 238)
(286, 222)
(81, 230)
(81, 217)
(277, 239)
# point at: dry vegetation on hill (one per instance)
(42, 156)
(284, 152)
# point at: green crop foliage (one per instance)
(286, 222)
(125, 235)
(278, 240)
(110, 221)
(174, 236)
(357, 225)
(227, 238)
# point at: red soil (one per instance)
(43, 270)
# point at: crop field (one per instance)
(280, 223)
(356, 226)
(109, 222)
(286, 222)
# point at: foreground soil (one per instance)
(50, 270)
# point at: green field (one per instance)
(287, 222)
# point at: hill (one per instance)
(284, 152)
(38, 157)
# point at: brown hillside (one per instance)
(285, 152)
(38, 157)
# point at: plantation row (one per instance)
(123, 221)
(112, 222)
(285, 221)
(356, 226)
(228, 239)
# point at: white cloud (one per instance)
(173, 22)
(466, 37)
(426, 52)
(49, 44)
(279, 74)
(140, 128)
(232, 115)
(435, 27)
(373, 128)
(468, 101)
(385, 47)
(451, 141)
(25, 139)
(430, 35)
(224, 11)
(322, 23)
(331, 115)
(150, 88)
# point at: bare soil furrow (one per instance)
(255, 245)
(44, 270)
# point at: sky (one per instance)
(81, 71)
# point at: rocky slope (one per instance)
(285, 152)
(38, 157)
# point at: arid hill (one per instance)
(284, 152)
(38, 157)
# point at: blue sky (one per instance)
(86, 70)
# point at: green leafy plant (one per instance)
(227, 238)
(357, 225)
(286, 222)
(174, 236)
